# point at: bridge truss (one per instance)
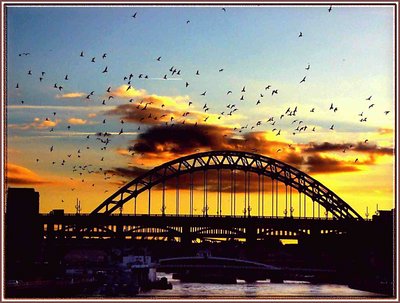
(234, 162)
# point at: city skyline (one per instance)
(98, 95)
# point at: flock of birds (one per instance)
(169, 118)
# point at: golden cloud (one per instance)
(19, 175)
(77, 121)
(123, 92)
(36, 124)
(70, 95)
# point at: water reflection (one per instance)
(260, 290)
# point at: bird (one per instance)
(244, 89)
(356, 160)
(104, 56)
(134, 15)
(369, 98)
(229, 92)
(187, 84)
(372, 105)
(187, 22)
(82, 54)
(197, 73)
(203, 94)
(303, 80)
(308, 67)
(159, 59)
(93, 59)
(275, 91)
(332, 126)
(223, 9)
(330, 8)
(105, 70)
(301, 34)
(386, 112)
(66, 77)
(220, 70)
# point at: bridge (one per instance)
(228, 270)
(275, 199)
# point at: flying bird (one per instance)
(303, 80)
(134, 15)
(330, 8)
(203, 94)
(301, 34)
(105, 70)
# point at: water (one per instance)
(258, 290)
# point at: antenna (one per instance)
(78, 206)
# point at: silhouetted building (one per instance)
(22, 231)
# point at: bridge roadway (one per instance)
(187, 228)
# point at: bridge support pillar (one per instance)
(186, 237)
(120, 231)
(251, 234)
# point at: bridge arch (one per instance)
(234, 161)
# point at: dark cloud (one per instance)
(181, 139)
(356, 147)
(145, 115)
(131, 172)
(317, 164)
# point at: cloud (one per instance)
(19, 175)
(92, 115)
(385, 131)
(77, 121)
(318, 164)
(123, 92)
(356, 147)
(36, 124)
(70, 95)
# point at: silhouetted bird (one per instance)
(301, 34)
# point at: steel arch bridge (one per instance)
(234, 161)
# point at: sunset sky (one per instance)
(98, 95)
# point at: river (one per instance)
(258, 290)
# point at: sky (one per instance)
(97, 95)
